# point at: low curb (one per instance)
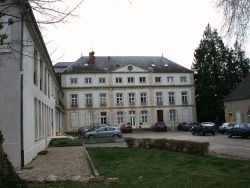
(97, 178)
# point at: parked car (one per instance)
(242, 129)
(126, 128)
(82, 130)
(203, 128)
(185, 126)
(104, 132)
(225, 127)
(160, 126)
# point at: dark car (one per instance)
(160, 126)
(242, 129)
(185, 126)
(225, 127)
(126, 128)
(203, 128)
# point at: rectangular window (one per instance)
(73, 100)
(103, 119)
(184, 97)
(118, 80)
(142, 79)
(119, 117)
(170, 79)
(35, 66)
(130, 79)
(159, 98)
(73, 80)
(88, 80)
(103, 99)
(157, 79)
(171, 97)
(102, 80)
(41, 75)
(183, 79)
(119, 98)
(172, 115)
(143, 98)
(144, 116)
(36, 119)
(131, 98)
(88, 99)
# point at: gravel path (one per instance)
(60, 163)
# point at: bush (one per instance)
(130, 142)
(8, 176)
(190, 147)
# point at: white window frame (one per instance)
(131, 98)
(143, 97)
(171, 97)
(183, 79)
(74, 99)
(119, 98)
(102, 80)
(170, 79)
(184, 96)
(73, 80)
(159, 98)
(103, 98)
(88, 80)
(157, 79)
(131, 80)
(118, 80)
(142, 79)
(172, 115)
(103, 118)
(144, 116)
(88, 99)
(120, 117)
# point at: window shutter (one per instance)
(176, 116)
(168, 114)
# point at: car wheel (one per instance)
(229, 135)
(91, 137)
(213, 133)
(116, 136)
(192, 132)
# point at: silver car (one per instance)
(104, 132)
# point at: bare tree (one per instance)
(236, 15)
(46, 12)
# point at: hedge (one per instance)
(190, 147)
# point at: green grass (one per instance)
(142, 167)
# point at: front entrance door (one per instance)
(132, 118)
(160, 115)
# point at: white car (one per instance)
(226, 126)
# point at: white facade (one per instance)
(29, 92)
(128, 94)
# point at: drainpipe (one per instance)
(21, 92)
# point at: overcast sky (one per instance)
(173, 28)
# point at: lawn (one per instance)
(142, 167)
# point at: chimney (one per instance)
(91, 57)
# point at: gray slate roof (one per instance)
(242, 91)
(111, 63)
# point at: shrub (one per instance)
(191, 147)
(130, 142)
(8, 176)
